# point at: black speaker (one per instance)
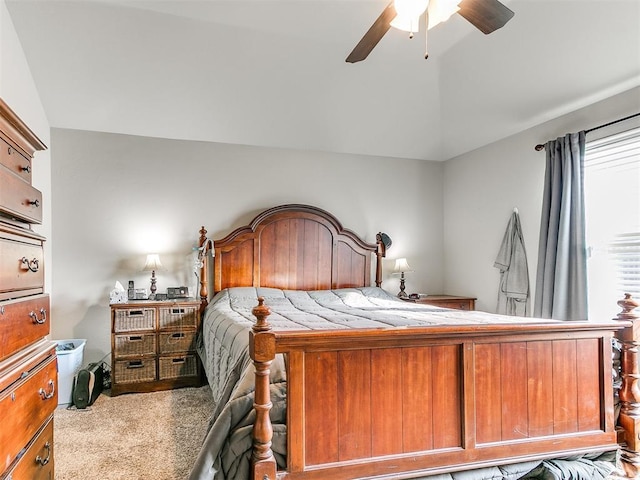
(88, 385)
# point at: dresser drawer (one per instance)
(23, 322)
(449, 301)
(172, 342)
(135, 371)
(21, 268)
(178, 316)
(134, 345)
(134, 319)
(18, 199)
(15, 161)
(182, 366)
(456, 304)
(25, 405)
(37, 462)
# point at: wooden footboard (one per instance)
(400, 402)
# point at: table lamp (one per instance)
(152, 264)
(400, 268)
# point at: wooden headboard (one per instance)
(294, 247)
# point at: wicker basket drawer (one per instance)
(178, 316)
(128, 345)
(135, 371)
(134, 319)
(172, 342)
(178, 366)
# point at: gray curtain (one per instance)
(561, 280)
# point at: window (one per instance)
(612, 199)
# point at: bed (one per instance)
(318, 375)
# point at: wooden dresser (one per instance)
(153, 345)
(28, 366)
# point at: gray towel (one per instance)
(513, 293)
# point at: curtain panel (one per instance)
(561, 279)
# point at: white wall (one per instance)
(482, 187)
(18, 90)
(119, 197)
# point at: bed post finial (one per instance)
(383, 242)
(262, 348)
(629, 393)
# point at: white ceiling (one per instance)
(272, 72)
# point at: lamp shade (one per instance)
(410, 8)
(401, 266)
(152, 263)
(408, 14)
(410, 11)
(441, 10)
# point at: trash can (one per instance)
(70, 355)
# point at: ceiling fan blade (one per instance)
(486, 15)
(373, 35)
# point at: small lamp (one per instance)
(152, 264)
(400, 268)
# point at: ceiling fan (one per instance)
(486, 15)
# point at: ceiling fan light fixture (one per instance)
(408, 14)
(406, 24)
(441, 10)
(410, 11)
(410, 8)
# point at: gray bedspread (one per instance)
(223, 348)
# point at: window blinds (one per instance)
(625, 253)
(619, 151)
(620, 154)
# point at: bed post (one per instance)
(380, 254)
(204, 245)
(262, 348)
(629, 393)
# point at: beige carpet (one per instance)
(138, 436)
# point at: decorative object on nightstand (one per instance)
(400, 268)
(118, 294)
(152, 264)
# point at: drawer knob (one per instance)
(35, 203)
(52, 391)
(43, 461)
(32, 265)
(40, 320)
(26, 169)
